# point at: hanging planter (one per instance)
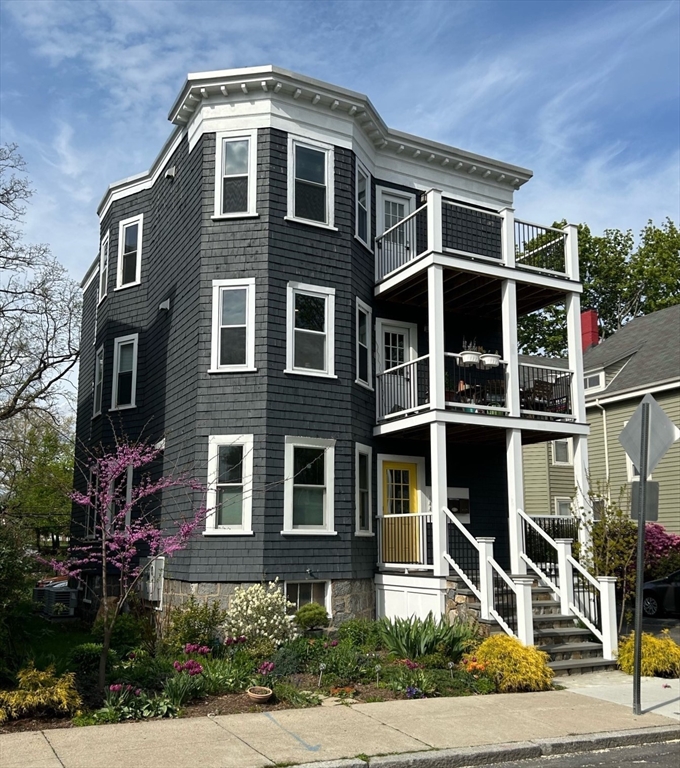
(469, 357)
(489, 360)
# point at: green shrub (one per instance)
(660, 655)
(513, 666)
(40, 693)
(194, 622)
(84, 659)
(345, 662)
(144, 671)
(128, 632)
(312, 616)
(415, 683)
(413, 637)
(228, 675)
(182, 688)
(292, 658)
(298, 699)
(361, 633)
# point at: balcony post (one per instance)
(582, 502)
(525, 614)
(571, 251)
(508, 236)
(513, 442)
(610, 640)
(486, 575)
(566, 577)
(435, 332)
(434, 220)
(510, 353)
(439, 501)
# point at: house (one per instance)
(295, 298)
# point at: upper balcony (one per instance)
(482, 237)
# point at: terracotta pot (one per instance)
(259, 694)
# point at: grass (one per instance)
(51, 642)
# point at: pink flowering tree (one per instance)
(125, 536)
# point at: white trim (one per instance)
(293, 142)
(233, 284)
(596, 387)
(360, 168)
(411, 330)
(570, 452)
(97, 411)
(220, 139)
(381, 193)
(292, 442)
(361, 306)
(423, 501)
(363, 450)
(122, 226)
(557, 500)
(318, 291)
(104, 247)
(214, 444)
(639, 392)
(117, 343)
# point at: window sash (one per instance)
(241, 177)
(98, 381)
(561, 452)
(311, 195)
(302, 592)
(364, 523)
(233, 331)
(364, 321)
(309, 485)
(230, 482)
(310, 350)
(130, 232)
(104, 267)
(124, 372)
(363, 205)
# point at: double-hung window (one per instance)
(233, 325)
(363, 362)
(563, 507)
(124, 372)
(98, 381)
(363, 469)
(310, 335)
(236, 174)
(562, 452)
(363, 205)
(130, 251)
(104, 267)
(310, 182)
(309, 486)
(230, 484)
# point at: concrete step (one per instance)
(541, 607)
(580, 666)
(556, 620)
(558, 635)
(566, 651)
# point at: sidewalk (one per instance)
(328, 733)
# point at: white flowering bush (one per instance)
(260, 612)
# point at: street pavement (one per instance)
(515, 725)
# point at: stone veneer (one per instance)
(462, 606)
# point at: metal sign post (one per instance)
(642, 495)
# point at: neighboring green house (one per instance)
(642, 357)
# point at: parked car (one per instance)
(662, 595)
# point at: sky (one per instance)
(585, 93)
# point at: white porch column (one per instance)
(510, 352)
(610, 639)
(438, 472)
(508, 236)
(571, 251)
(525, 614)
(566, 575)
(582, 500)
(434, 220)
(435, 332)
(486, 575)
(513, 443)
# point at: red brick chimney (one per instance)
(590, 334)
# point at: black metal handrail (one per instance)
(539, 248)
(544, 390)
(470, 231)
(479, 388)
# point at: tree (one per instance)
(619, 281)
(39, 306)
(127, 532)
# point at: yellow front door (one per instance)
(400, 497)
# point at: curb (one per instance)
(520, 750)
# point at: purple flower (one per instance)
(203, 650)
(242, 639)
(116, 688)
(266, 667)
(333, 643)
(177, 665)
(138, 692)
(414, 693)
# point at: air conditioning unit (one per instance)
(151, 583)
(60, 601)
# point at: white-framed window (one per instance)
(563, 452)
(130, 252)
(235, 174)
(233, 325)
(364, 363)
(562, 506)
(309, 485)
(311, 194)
(592, 382)
(363, 456)
(363, 205)
(104, 267)
(230, 485)
(302, 592)
(124, 390)
(98, 382)
(310, 336)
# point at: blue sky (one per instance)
(585, 93)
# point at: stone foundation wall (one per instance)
(352, 599)
(460, 606)
(176, 593)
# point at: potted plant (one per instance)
(489, 360)
(260, 694)
(471, 353)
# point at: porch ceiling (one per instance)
(465, 434)
(467, 293)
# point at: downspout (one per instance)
(606, 443)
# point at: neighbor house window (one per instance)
(563, 507)
(104, 267)
(363, 361)
(310, 332)
(230, 484)
(309, 485)
(310, 181)
(130, 252)
(593, 381)
(98, 381)
(363, 205)
(562, 452)
(124, 372)
(302, 592)
(236, 174)
(363, 470)
(233, 325)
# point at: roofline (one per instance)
(629, 394)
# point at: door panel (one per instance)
(398, 388)
(400, 541)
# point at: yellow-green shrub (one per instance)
(514, 667)
(40, 693)
(660, 655)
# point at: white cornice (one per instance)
(628, 394)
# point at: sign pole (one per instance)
(639, 579)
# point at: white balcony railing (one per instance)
(401, 244)
(405, 541)
(403, 388)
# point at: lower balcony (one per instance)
(405, 541)
(479, 387)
